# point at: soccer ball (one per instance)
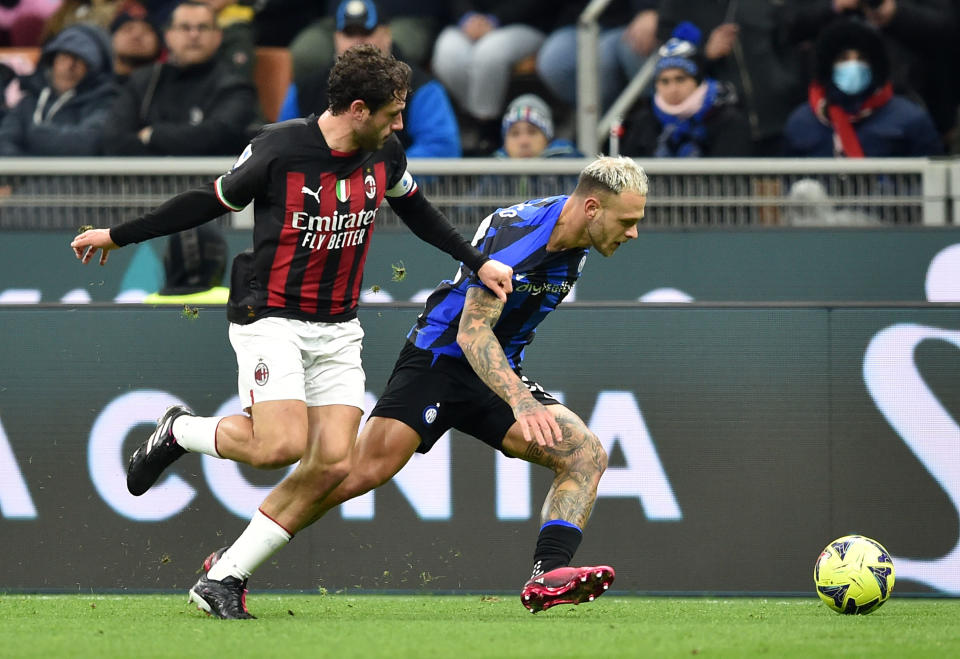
(854, 574)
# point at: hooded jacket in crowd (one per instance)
(920, 41)
(200, 110)
(45, 123)
(866, 120)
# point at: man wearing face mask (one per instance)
(851, 109)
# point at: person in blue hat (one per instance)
(690, 115)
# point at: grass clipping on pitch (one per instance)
(418, 626)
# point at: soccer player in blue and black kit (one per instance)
(460, 368)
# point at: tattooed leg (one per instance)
(577, 462)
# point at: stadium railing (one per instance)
(62, 193)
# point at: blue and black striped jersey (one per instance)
(517, 236)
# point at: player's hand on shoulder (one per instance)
(537, 423)
(86, 244)
(498, 277)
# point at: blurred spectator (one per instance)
(746, 45)
(690, 116)
(474, 59)
(429, 123)
(22, 21)
(193, 104)
(414, 26)
(71, 12)
(194, 264)
(528, 131)
(136, 41)
(68, 98)
(852, 110)
(809, 205)
(235, 20)
(920, 36)
(628, 35)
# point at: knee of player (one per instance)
(277, 455)
(592, 457)
(600, 453)
(334, 471)
(359, 481)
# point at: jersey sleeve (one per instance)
(513, 237)
(400, 182)
(248, 176)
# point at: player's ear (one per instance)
(591, 205)
(358, 108)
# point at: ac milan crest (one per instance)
(369, 186)
(261, 374)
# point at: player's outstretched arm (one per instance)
(430, 225)
(475, 336)
(184, 211)
(87, 243)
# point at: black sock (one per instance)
(556, 545)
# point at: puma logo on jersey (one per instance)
(315, 195)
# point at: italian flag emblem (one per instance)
(343, 189)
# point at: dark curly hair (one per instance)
(365, 73)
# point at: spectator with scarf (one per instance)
(852, 110)
(690, 116)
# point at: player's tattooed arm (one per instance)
(481, 310)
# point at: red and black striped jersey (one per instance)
(314, 215)
(314, 212)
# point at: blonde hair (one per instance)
(613, 174)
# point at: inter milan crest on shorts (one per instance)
(430, 413)
(261, 374)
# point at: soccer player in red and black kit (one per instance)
(316, 184)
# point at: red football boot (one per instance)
(566, 585)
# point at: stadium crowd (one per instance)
(844, 78)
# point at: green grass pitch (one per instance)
(462, 626)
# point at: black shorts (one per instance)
(433, 396)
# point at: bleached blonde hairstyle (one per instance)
(612, 174)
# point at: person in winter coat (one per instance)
(744, 44)
(690, 116)
(191, 105)
(67, 99)
(430, 128)
(851, 110)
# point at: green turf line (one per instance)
(420, 626)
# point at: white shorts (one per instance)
(286, 359)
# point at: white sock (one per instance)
(197, 434)
(256, 544)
